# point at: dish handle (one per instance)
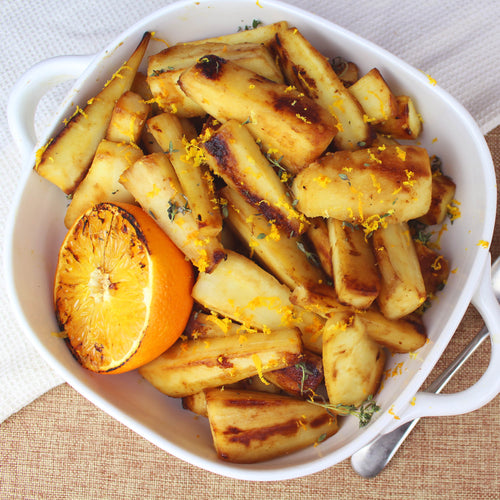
(487, 387)
(30, 88)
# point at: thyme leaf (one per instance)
(174, 209)
(311, 256)
(171, 148)
(255, 24)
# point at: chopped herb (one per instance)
(322, 438)
(345, 178)
(174, 209)
(350, 225)
(261, 236)
(277, 164)
(248, 120)
(255, 24)
(361, 144)
(152, 214)
(312, 257)
(157, 72)
(171, 148)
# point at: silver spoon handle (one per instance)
(373, 457)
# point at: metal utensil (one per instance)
(370, 460)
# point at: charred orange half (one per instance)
(122, 289)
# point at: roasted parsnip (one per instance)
(102, 181)
(190, 366)
(402, 286)
(356, 278)
(434, 266)
(195, 179)
(262, 34)
(398, 335)
(153, 183)
(231, 152)
(443, 194)
(128, 118)
(375, 96)
(240, 289)
(368, 186)
(65, 160)
(405, 123)
(353, 362)
(166, 67)
(300, 379)
(288, 123)
(250, 426)
(310, 71)
(279, 253)
(317, 233)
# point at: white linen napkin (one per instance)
(457, 42)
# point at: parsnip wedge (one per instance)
(240, 289)
(253, 56)
(279, 253)
(166, 67)
(398, 335)
(391, 183)
(309, 70)
(317, 233)
(375, 96)
(194, 177)
(102, 182)
(352, 361)
(128, 118)
(443, 194)
(300, 379)
(284, 120)
(262, 33)
(434, 266)
(405, 123)
(154, 184)
(356, 278)
(250, 426)
(231, 152)
(402, 286)
(65, 160)
(197, 403)
(203, 325)
(190, 366)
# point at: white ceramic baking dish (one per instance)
(36, 230)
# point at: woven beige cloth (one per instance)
(63, 447)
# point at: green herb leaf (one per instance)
(171, 148)
(312, 257)
(305, 374)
